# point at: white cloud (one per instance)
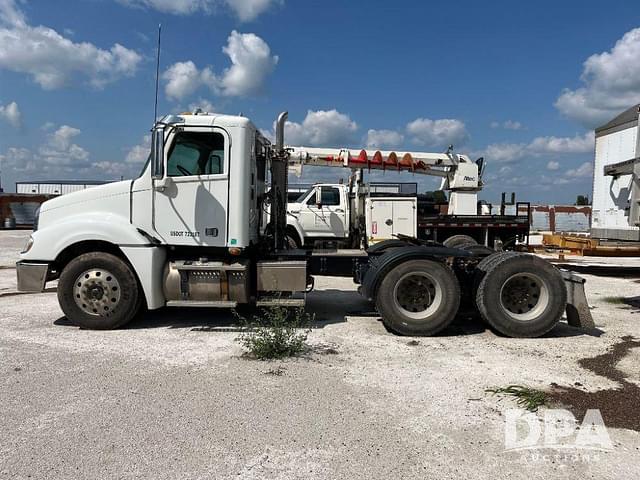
(553, 165)
(508, 125)
(611, 84)
(383, 138)
(245, 10)
(176, 7)
(576, 144)
(184, 78)
(321, 128)
(539, 146)
(52, 60)
(504, 152)
(11, 113)
(584, 170)
(58, 153)
(59, 148)
(203, 104)
(59, 156)
(251, 64)
(439, 133)
(139, 153)
(251, 61)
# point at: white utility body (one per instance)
(388, 217)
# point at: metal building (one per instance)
(57, 187)
(616, 141)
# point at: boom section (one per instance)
(436, 164)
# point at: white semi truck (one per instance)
(189, 231)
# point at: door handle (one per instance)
(389, 222)
(339, 210)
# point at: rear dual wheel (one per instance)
(519, 295)
(418, 297)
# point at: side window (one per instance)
(330, 196)
(196, 153)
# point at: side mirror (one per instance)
(157, 153)
(319, 197)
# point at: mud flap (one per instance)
(578, 313)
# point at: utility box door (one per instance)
(387, 217)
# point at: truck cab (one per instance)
(322, 212)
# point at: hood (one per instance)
(88, 194)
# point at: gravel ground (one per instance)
(11, 243)
(171, 396)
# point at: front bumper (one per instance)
(32, 276)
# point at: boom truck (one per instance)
(358, 214)
(190, 232)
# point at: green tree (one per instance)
(582, 200)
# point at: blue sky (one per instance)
(522, 83)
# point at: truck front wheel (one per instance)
(418, 297)
(98, 291)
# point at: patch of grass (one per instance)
(275, 332)
(528, 398)
(614, 300)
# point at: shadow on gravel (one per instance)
(616, 271)
(327, 306)
(620, 407)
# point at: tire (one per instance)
(520, 295)
(385, 245)
(99, 291)
(401, 313)
(459, 241)
(292, 239)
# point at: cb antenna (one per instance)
(155, 106)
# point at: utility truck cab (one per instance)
(349, 214)
(322, 212)
(190, 231)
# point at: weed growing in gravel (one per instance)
(276, 332)
(528, 398)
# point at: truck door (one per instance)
(192, 208)
(329, 219)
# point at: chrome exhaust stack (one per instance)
(282, 118)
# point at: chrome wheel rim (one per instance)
(417, 295)
(524, 296)
(97, 292)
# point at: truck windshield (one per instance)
(304, 195)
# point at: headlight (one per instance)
(36, 219)
(28, 245)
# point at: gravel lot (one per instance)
(171, 396)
